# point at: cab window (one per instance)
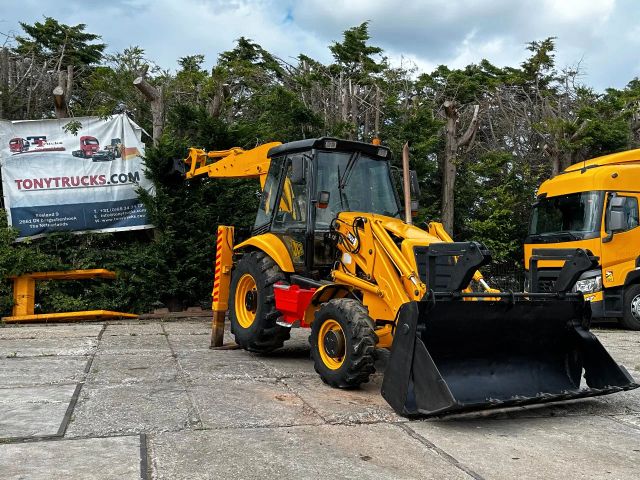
(631, 211)
(269, 193)
(292, 208)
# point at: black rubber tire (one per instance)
(263, 335)
(628, 320)
(360, 343)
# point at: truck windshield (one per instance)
(566, 217)
(356, 182)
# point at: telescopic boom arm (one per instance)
(232, 163)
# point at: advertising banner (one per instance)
(54, 180)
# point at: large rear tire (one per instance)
(252, 308)
(343, 343)
(631, 315)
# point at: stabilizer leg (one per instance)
(221, 282)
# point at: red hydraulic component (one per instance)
(292, 301)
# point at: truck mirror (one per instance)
(616, 218)
(617, 221)
(323, 199)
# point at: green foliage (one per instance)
(69, 45)
(493, 204)
(354, 55)
(72, 127)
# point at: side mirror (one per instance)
(323, 199)
(617, 221)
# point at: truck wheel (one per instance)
(343, 343)
(252, 305)
(631, 316)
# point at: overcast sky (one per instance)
(603, 35)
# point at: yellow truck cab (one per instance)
(594, 206)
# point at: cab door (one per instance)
(292, 212)
(620, 247)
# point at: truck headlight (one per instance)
(589, 285)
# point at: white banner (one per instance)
(55, 181)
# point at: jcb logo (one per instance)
(296, 249)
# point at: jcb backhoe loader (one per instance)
(330, 250)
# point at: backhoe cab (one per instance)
(330, 251)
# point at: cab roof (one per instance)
(328, 144)
(615, 172)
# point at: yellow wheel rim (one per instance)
(330, 327)
(245, 308)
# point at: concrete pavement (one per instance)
(150, 400)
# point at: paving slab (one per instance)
(26, 371)
(311, 452)
(38, 347)
(131, 368)
(571, 447)
(630, 420)
(133, 329)
(628, 356)
(202, 367)
(115, 458)
(240, 403)
(290, 363)
(50, 331)
(33, 411)
(362, 405)
(188, 327)
(143, 345)
(612, 337)
(189, 343)
(137, 408)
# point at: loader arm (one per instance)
(232, 163)
(374, 265)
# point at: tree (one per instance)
(66, 52)
(69, 45)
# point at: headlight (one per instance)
(589, 285)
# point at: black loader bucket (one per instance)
(452, 356)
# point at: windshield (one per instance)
(567, 217)
(356, 183)
(91, 141)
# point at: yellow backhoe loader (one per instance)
(333, 250)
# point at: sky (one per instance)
(602, 36)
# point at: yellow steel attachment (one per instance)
(221, 281)
(246, 300)
(331, 328)
(24, 287)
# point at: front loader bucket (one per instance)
(455, 356)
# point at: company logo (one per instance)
(608, 275)
(84, 181)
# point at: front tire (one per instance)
(253, 313)
(631, 315)
(343, 343)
